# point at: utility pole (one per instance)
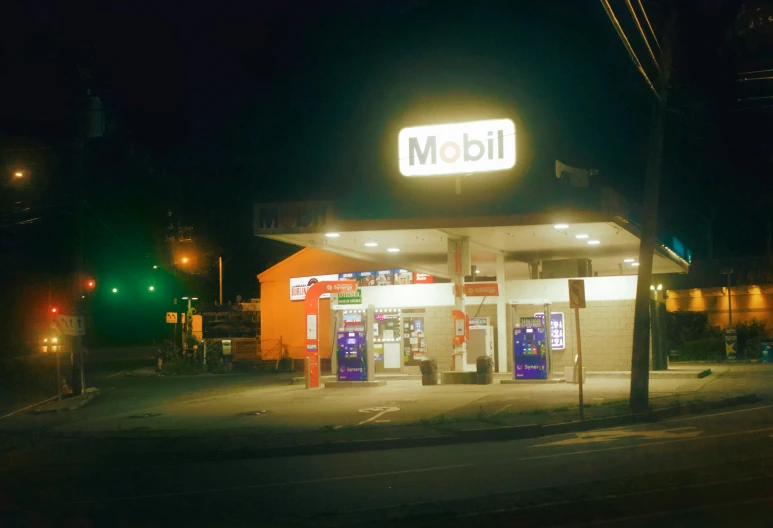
(640, 356)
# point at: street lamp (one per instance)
(18, 174)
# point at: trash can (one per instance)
(485, 368)
(429, 375)
(765, 356)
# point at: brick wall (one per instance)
(607, 336)
(438, 331)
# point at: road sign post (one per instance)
(171, 318)
(577, 301)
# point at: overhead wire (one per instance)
(642, 33)
(647, 20)
(628, 47)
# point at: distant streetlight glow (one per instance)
(151, 288)
(115, 290)
(185, 260)
(18, 174)
(561, 226)
(155, 267)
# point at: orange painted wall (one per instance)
(748, 302)
(282, 318)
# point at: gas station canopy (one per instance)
(609, 241)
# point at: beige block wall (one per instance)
(439, 330)
(607, 336)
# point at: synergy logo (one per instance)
(461, 148)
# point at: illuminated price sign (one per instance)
(557, 336)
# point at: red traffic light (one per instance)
(54, 309)
(91, 283)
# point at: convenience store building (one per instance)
(511, 267)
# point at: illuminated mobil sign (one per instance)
(460, 148)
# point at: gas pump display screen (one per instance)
(529, 337)
(351, 341)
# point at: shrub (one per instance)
(750, 333)
(708, 349)
(687, 326)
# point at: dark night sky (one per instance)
(212, 108)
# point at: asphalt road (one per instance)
(711, 470)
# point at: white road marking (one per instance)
(379, 410)
(117, 374)
(28, 407)
(503, 408)
(699, 416)
(254, 486)
(616, 434)
(634, 446)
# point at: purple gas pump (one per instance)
(530, 350)
(351, 351)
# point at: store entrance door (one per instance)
(414, 342)
(387, 341)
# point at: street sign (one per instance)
(350, 298)
(576, 293)
(71, 325)
(171, 317)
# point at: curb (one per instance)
(465, 436)
(75, 403)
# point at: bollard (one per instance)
(307, 372)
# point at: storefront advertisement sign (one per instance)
(300, 285)
(350, 298)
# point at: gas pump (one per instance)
(351, 352)
(530, 349)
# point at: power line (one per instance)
(756, 71)
(647, 20)
(641, 32)
(629, 49)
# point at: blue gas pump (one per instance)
(351, 351)
(530, 351)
